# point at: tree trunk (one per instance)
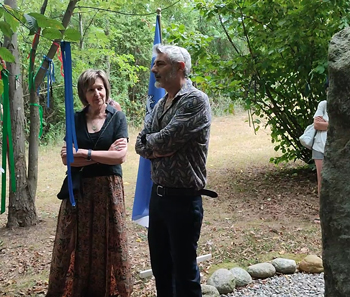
(81, 30)
(108, 59)
(33, 142)
(34, 119)
(335, 192)
(21, 210)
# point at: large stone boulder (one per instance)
(335, 192)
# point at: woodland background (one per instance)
(270, 56)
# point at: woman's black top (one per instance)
(114, 127)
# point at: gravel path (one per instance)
(294, 285)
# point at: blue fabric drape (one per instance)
(144, 183)
(71, 138)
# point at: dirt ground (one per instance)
(263, 211)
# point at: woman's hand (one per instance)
(80, 157)
(63, 151)
(319, 119)
(320, 124)
(64, 154)
(116, 153)
(119, 145)
(79, 153)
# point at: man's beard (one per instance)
(158, 85)
(169, 76)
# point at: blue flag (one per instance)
(144, 182)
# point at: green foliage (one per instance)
(52, 33)
(6, 29)
(6, 55)
(71, 35)
(12, 17)
(45, 22)
(55, 134)
(274, 59)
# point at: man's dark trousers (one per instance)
(174, 229)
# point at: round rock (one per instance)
(261, 270)
(242, 277)
(285, 266)
(223, 280)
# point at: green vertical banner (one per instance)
(7, 144)
(1, 121)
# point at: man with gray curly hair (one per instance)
(175, 138)
(175, 54)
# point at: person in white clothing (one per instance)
(321, 125)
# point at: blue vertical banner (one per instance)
(144, 182)
(71, 138)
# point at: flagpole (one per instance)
(143, 190)
(159, 15)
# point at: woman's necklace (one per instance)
(96, 121)
(96, 125)
(94, 128)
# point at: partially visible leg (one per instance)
(185, 221)
(319, 165)
(158, 240)
(318, 158)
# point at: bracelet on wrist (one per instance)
(89, 155)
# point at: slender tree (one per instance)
(22, 210)
(34, 102)
(21, 203)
